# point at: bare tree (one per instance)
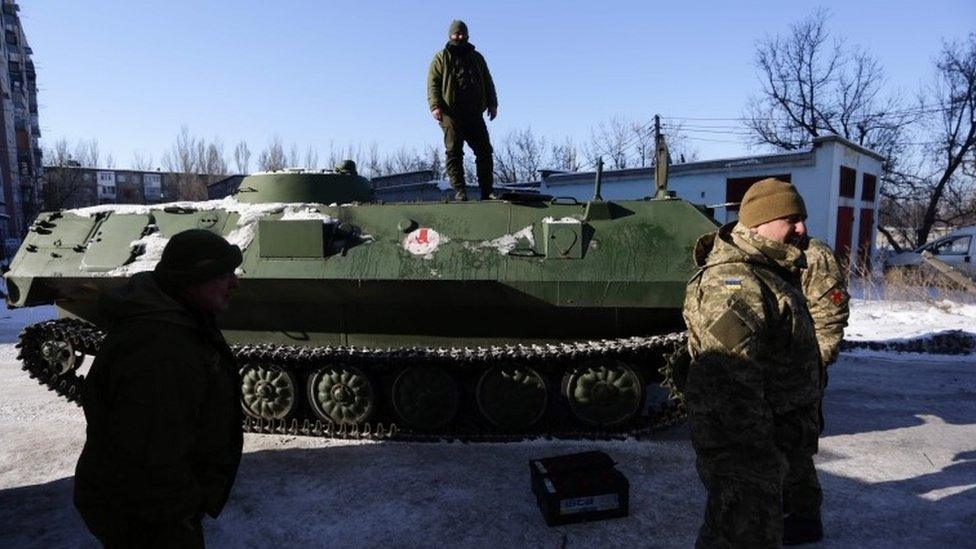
(272, 158)
(193, 164)
(89, 151)
(141, 163)
(242, 157)
(64, 184)
(293, 156)
(519, 156)
(679, 148)
(372, 165)
(610, 140)
(564, 156)
(435, 160)
(212, 162)
(311, 158)
(812, 85)
(936, 185)
(350, 152)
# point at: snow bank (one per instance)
(876, 320)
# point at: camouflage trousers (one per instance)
(802, 495)
(471, 129)
(753, 481)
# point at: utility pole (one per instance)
(657, 130)
(661, 161)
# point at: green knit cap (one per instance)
(770, 199)
(457, 26)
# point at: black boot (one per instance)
(799, 530)
(488, 195)
(461, 195)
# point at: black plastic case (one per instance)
(579, 487)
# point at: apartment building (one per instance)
(20, 153)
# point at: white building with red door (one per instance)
(837, 178)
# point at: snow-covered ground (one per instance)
(897, 462)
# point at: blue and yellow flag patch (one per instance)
(733, 283)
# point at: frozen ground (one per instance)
(897, 462)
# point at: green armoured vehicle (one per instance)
(473, 320)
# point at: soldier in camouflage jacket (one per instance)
(753, 387)
(825, 287)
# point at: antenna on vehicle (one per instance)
(598, 184)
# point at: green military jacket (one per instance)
(751, 339)
(825, 287)
(162, 401)
(441, 83)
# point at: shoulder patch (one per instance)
(733, 283)
(838, 296)
(735, 325)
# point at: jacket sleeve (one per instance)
(435, 76)
(155, 404)
(825, 289)
(491, 98)
(725, 389)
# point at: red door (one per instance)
(864, 232)
(845, 226)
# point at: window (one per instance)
(87, 176)
(106, 185)
(848, 181)
(152, 186)
(870, 187)
(952, 246)
(120, 178)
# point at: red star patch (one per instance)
(837, 296)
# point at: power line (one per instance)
(900, 112)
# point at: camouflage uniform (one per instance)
(753, 385)
(825, 287)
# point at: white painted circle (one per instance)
(422, 241)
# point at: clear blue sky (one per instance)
(129, 73)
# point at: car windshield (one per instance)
(958, 245)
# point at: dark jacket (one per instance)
(163, 409)
(442, 81)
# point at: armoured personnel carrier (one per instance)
(487, 320)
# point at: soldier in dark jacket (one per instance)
(459, 90)
(161, 400)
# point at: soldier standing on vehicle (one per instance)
(162, 402)
(459, 91)
(753, 387)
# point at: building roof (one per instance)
(792, 158)
(224, 180)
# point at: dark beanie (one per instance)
(770, 199)
(457, 26)
(195, 256)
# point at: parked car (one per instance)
(956, 248)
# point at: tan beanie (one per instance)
(770, 199)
